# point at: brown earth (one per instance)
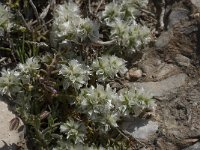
(176, 51)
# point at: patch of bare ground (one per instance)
(176, 52)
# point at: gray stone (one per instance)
(134, 73)
(182, 60)
(162, 87)
(177, 15)
(194, 147)
(149, 66)
(196, 3)
(188, 29)
(165, 71)
(140, 128)
(8, 139)
(163, 39)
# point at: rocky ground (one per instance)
(170, 72)
(172, 77)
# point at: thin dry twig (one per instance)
(89, 5)
(102, 43)
(129, 137)
(44, 24)
(46, 10)
(147, 12)
(40, 20)
(99, 6)
(23, 19)
(38, 44)
(34, 10)
(161, 20)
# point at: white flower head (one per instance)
(73, 130)
(111, 12)
(100, 105)
(9, 82)
(5, 18)
(119, 28)
(75, 74)
(67, 11)
(47, 58)
(88, 28)
(109, 66)
(66, 21)
(69, 25)
(135, 101)
(30, 67)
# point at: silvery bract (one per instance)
(105, 106)
(9, 82)
(111, 12)
(134, 101)
(4, 18)
(131, 36)
(124, 29)
(107, 67)
(47, 58)
(30, 67)
(88, 28)
(75, 74)
(100, 105)
(73, 130)
(69, 25)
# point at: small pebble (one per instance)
(134, 74)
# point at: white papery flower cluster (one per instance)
(11, 81)
(107, 67)
(47, 58)
(105, 106)
(74, 130)
(120, 16)
(126, 10)
(4, 18)
(111, 12)
(31, 66)
(134, 101)
(69, 25)
(75, 74)
(132, 36)
(98, 104)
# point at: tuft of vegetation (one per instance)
(5, 16)
(61, 84)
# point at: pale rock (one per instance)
(134, 74)
(141, 129)
(8, 139)
(164, 39)
(176, 16)
(194, 147)
(182, 60)
(196, 3)
(161, 88)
